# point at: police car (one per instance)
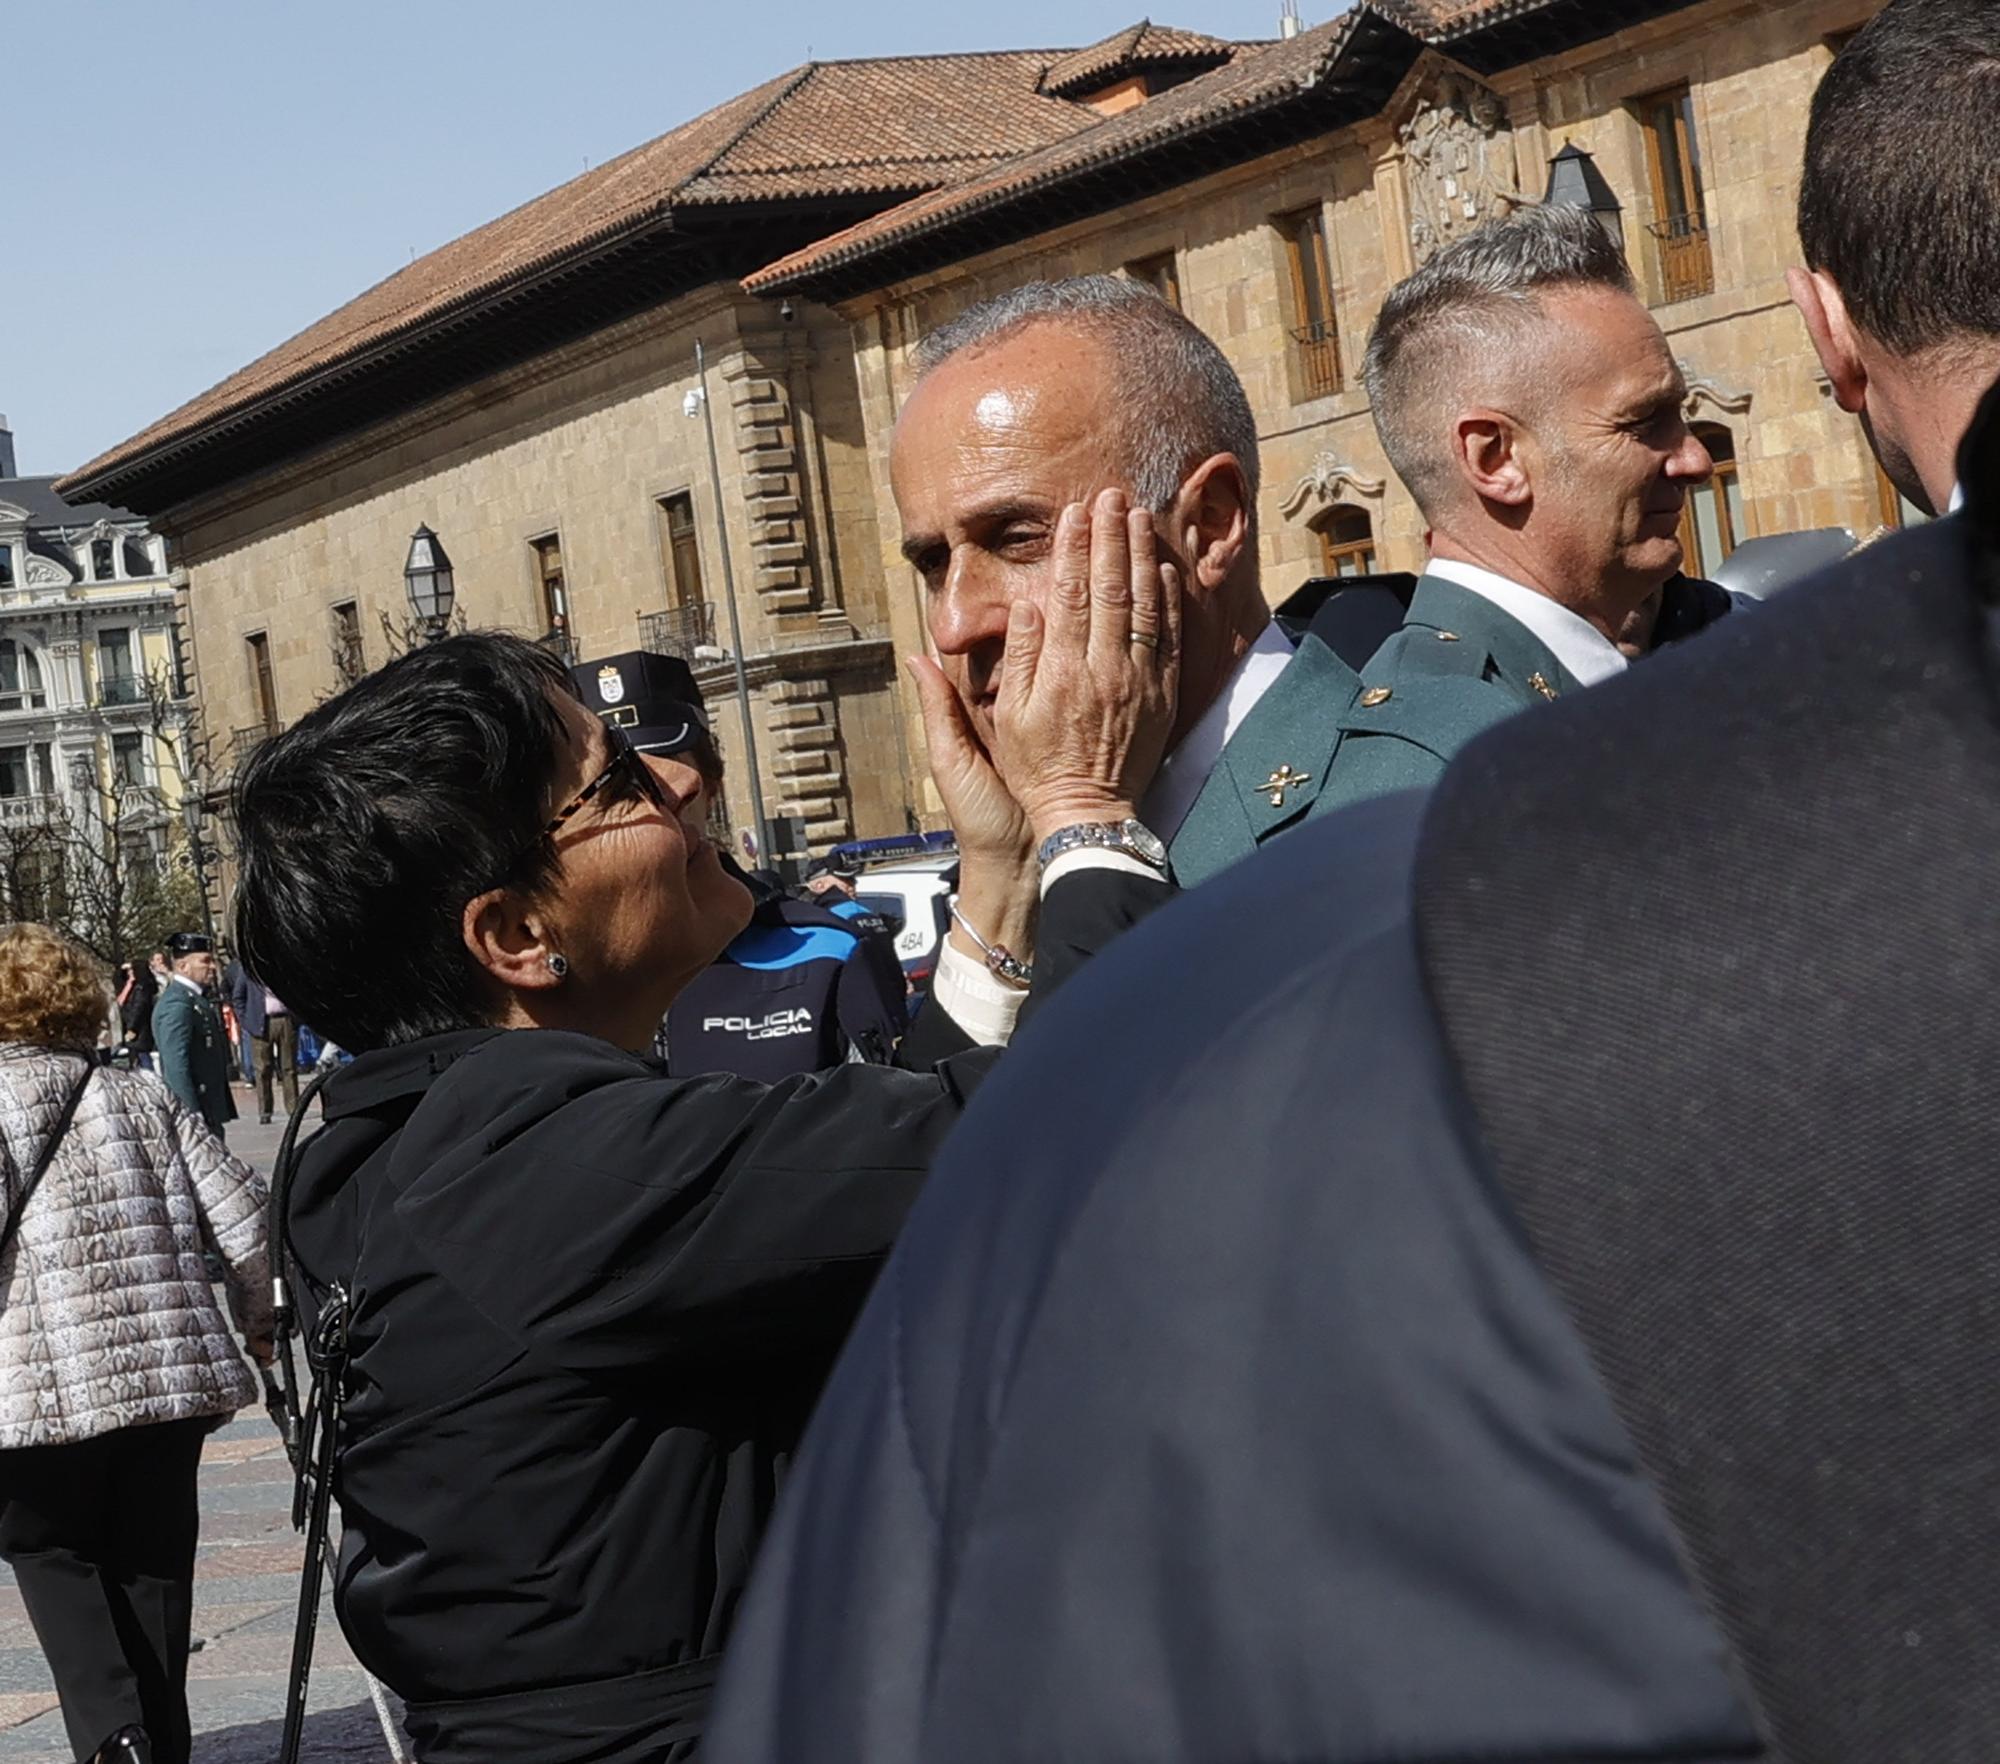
(910, 882)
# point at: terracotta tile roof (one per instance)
(993, 207)
(826, 130)
(1261, 75)
(1134, 49)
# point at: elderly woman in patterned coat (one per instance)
(114, 1356)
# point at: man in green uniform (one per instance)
(187, 1026)
(1534, 410)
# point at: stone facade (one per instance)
(584, 446)
(92, 726)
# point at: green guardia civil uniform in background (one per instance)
(1325, 736)
(193, 1051)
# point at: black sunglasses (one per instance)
(626, 770)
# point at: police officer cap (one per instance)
(653, 698)
(187, 943)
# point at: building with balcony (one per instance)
(92, 713)
(529, 390)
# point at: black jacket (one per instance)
(592, 1307)
(1545, 1314)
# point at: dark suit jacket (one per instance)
(244, 994)
(1284, 1359)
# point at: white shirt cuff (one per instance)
(982, 1006)
(1094, 857)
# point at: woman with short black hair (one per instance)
(591, 1306)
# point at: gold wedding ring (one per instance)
(1147, 638)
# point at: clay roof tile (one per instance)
(1133, 50)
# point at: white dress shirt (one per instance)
(986, 1008)
(1585, 652)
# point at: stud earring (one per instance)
(558, 965)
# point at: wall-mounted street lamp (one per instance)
(427, 579)
(1575, 182)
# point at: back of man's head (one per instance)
(1464, 323)
(1178, 401)
(1900, 201)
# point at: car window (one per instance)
(886, 907)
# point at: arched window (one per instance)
(20, 678)
(1346, 542)
(1712, 524)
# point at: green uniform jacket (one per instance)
(194, 1052)
(1323, 737)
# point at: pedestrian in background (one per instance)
(114, 1357)
(244, 1049)
(138, 992)
(187, 1029)
(270, 1038)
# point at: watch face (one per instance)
(1146, 842)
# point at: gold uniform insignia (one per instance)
(1283, 779)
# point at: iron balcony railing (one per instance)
(244, 742)
(1317, 347)
(1687, 267)
(120, 689)
(680, 630)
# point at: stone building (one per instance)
(523, 390)
(91, 749)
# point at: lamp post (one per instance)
(427, 579)
(1575, 182)
(729, 594)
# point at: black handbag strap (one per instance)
(42, 1163)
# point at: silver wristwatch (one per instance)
(1134, 838)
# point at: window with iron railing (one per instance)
(1680, 225)
(117, 677)
(1315, 326)
(679, 631)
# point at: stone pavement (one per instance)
(245, 1594)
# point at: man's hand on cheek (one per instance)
(988, 822)
(1088, 693)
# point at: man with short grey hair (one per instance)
(1046, 423)
(1532, 407)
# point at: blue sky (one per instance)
(188, 182)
